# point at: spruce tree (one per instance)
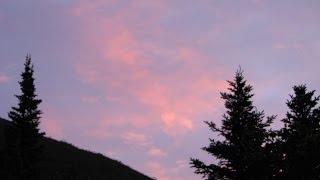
(301, 137)
(240, 153)
(26, 140)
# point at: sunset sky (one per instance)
(134, 80)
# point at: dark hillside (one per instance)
(65, 161)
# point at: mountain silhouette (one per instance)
(66, 162)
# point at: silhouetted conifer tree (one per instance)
(301, 137)
(25, 117)
(240, 154)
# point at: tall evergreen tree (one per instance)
(301, 136)
(241, 153)
(26, 140)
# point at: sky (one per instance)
(134, 80)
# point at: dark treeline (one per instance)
(246, 148)
(26, 154)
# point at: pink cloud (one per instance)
(99, 133)
(158, 170)
(156, 152)
(132, 120)
(4, 79)
(175, 105)
(52, 128)
(116, 127)
(135, 138)
(169, 173)
(173, 84)
(50, 123)
(125, 49)
(173, 122)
